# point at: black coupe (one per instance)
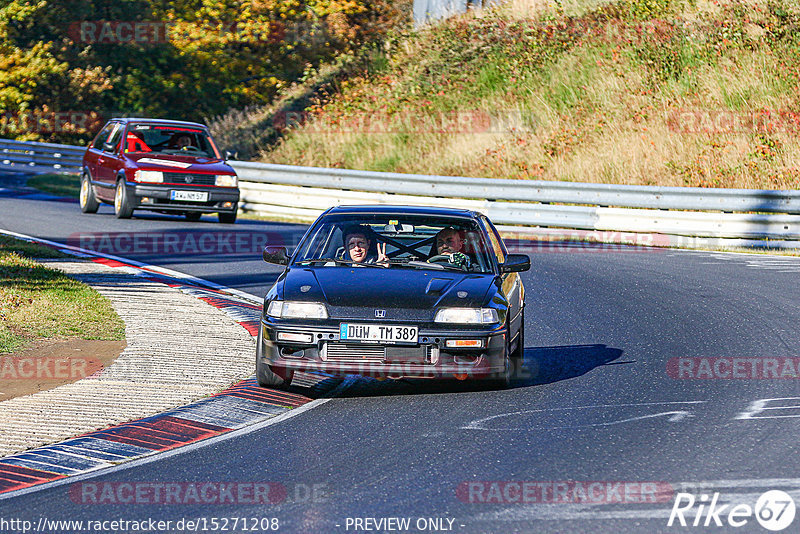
(394, 291)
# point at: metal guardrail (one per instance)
(629, 196)
(27, 154)
(302, 193)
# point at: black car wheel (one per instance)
(88, 201)
(270, 376)
(192, 216)
(274, 377)
(122, 205)
(229, 218)
(502, 380)
(519, 351)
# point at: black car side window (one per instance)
(494, 240)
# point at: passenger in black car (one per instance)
(358, 245)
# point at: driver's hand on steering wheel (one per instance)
(459, 259)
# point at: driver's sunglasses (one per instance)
(359, 244)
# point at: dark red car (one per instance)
(158, 165)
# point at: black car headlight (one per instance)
(467, 316)
(287, 309)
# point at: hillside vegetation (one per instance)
(664, 92)
(67, 66)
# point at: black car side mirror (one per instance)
(274, 254)
(516, 263)
(108, 147)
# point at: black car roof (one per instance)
(166, 122)
(403, 210)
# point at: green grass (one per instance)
(40, 302)
(60, 185)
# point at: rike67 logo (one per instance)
(774, 510)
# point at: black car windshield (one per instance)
(158, 139)
(396, 241)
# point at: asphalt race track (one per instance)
(647, 372)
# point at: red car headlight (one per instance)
(149, 176)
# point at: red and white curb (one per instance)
(238, 408)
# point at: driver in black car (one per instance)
(450, 243)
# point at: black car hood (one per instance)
(387, 288)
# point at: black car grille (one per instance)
(364, 353)
(188, 178)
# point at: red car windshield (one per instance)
(185, 141)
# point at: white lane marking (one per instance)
(762, 405)
(143, 266)
(158, 455)
(479, 424)
(772, 262)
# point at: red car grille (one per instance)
(194, 179)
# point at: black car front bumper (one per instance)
(430, 358)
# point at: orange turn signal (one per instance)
(465, 343)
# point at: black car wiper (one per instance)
(425, 265)
(323, 260)
(310, 261)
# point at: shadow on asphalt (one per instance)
(541, 365)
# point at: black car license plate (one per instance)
(378, 333)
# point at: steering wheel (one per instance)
(190, 148)
(440, 258)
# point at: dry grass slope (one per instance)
(656, 92)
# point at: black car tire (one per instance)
(273, 377)
(229, 218)
(86, 198)
(267, 376)
(502, 380)
(192, 216)
(519, 352)
(122, 205)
